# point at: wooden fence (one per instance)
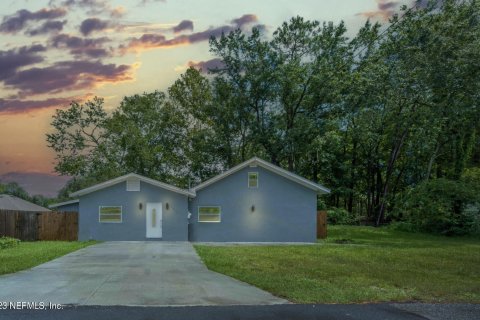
(32, 226)
(321, 224)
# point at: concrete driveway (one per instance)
(132, 274)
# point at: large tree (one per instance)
(372, 117)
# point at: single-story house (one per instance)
(12, 203)
(254, 201)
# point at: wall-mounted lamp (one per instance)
(252, 208)
(140, 206)
(167, 206)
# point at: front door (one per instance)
(154, 220)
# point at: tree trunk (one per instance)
(432, 160)
(391, 163)
(352, 176)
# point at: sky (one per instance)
(56, 51)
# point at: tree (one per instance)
(371, 117)
(80, 139)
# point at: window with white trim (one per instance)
(253, 179)
(209, 214)
(110, 214)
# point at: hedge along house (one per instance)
(252, 202)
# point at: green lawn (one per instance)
(29, 254)
(358, 264)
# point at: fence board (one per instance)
(7, 223)
(26, 226)
(321, 224)
(2, 224)
(58, 226)
(72, 226)
(31, 226)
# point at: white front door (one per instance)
(154, 220)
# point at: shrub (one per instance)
(340, 216)
(7, 242)
(441, 206)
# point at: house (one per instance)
(9, 202)
(254, 201)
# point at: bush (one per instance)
(340, 216)
(7, 242)
(441, 206)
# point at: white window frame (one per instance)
(248, 179)
(219, 215)
(121, 214)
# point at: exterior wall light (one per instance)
(167, 206)
(252, 208)
(140, 206)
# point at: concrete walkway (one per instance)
(131, 274)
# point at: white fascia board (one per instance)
(129, 176)
(55, 205)
(266, 165)
(223, 175)
(294, 177)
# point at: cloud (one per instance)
(21, 106)
(205, 66)
(144, 2)
(91, 48)
(12, 60)
(156, 40)
(92, 7)
(67, 75)
(17, 21)
(387, 5)
(245, 19)
(422, 4)
(183, 25)
(386, 9)
(47, 27)
(93, 24)
(84, 3)
(118, 12)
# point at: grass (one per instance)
(29, 254)
(358, 264)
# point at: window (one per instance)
(209, 214)
(110, 214)
(253, 179)
(133, 185)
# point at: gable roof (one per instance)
(59, 204)
(8, 202)
(131, 176)
(271, 167)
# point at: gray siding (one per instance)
(284, 210)
(72, 207)
(133, 226)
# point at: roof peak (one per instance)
(269, 166)
(123, 178)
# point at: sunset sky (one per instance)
(55, 51)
